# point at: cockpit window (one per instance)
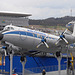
(8, 28)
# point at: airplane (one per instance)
(22, 40)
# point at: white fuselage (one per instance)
(29, 39)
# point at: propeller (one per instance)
(62, 37)
(43, 41)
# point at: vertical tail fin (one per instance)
(71, 27)
(73, 30)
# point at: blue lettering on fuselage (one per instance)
(36, 32)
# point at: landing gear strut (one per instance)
(11, 62)
(23, 62)
(59, 57)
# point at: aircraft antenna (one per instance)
(71, 12)
(10, 24)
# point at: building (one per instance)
(17, 19)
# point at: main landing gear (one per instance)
(23, 62)
(58, 55)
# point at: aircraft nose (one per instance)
(1, 36)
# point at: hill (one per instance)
(52, 21)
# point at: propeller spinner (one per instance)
(43, 41)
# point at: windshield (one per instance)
(8, 28)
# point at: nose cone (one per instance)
(1, 36)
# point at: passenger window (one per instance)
(40, 36)
(8, 28)
(12, 28)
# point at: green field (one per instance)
(49, 27)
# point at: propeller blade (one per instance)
(65, 31)
(65, 40)
(57, 41)
(39, 45)
(62, 39)
(46, 44)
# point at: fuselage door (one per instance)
(23, 34)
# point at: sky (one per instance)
(40, 9)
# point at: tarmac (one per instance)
(63, 72)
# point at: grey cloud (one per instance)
(39, 8)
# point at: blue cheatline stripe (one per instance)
(12, 32)
(23, 33)
(26, 33)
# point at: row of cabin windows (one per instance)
(29, 34)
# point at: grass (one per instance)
(49, 27)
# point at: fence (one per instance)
(47, 68)
(31, 71)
